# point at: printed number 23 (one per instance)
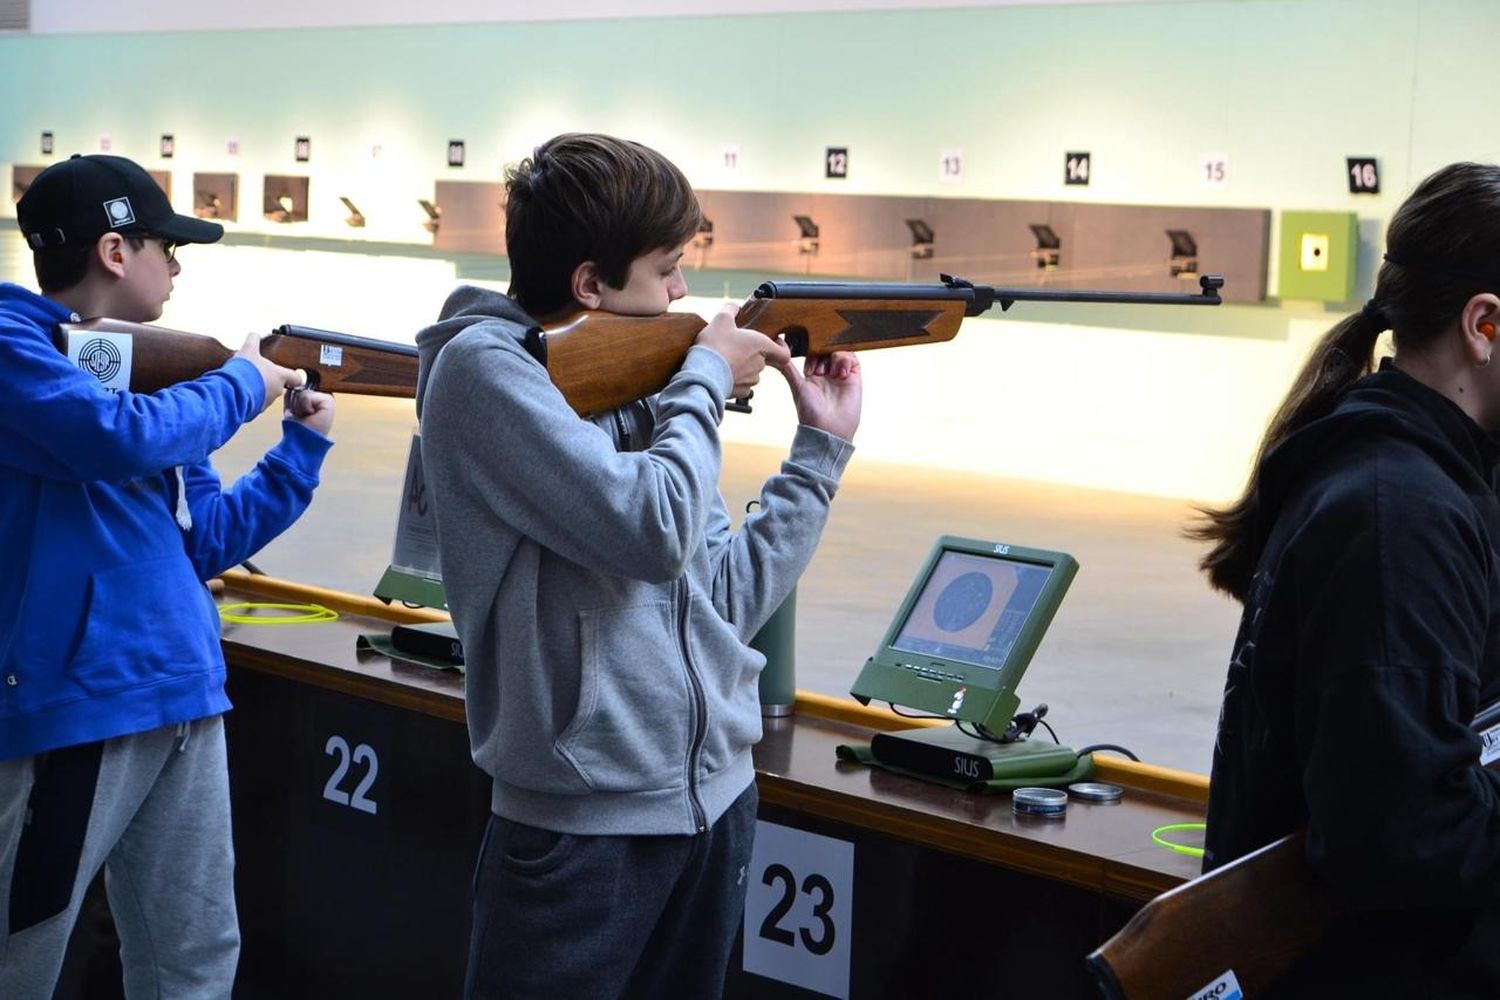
(363, 754)
(771, 929)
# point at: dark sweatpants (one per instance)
(558, 915)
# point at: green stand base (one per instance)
(410, 587)
(945, 752)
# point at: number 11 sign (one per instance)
(798, 908)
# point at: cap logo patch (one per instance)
(119, 211)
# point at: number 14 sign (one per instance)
(798, 907)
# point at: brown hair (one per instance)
(586, 197)
(1439, 244)
(61, 268)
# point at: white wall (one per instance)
(88, 16)
(1139, 401)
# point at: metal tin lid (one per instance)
(1039, 801)
(1096, 791)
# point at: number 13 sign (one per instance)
(798, 907)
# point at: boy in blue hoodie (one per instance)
(604, 603)
(111, 675)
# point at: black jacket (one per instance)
(1370, 637)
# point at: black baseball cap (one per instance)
(76, 201)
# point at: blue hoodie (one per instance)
(106, 628)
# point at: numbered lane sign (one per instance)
(836, 162)
(798, 909)
(1076, 168)
(1213, 170)
(951, 166)
(1364, 175)
(362, 756)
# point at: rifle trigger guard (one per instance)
(796, 340)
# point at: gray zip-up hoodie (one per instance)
(603, 602)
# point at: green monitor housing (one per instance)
(967, 630)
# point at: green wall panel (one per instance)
(1317, 253)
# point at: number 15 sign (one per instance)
(798, 908)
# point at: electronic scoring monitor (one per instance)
(967, 630)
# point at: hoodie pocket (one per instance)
(731, 685)
(630, 730)
(147, 621)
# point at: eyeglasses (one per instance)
(168, 247)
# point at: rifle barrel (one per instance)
(979, 298)
(345, 339)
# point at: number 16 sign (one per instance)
(798, 908)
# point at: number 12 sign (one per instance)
(798, 908)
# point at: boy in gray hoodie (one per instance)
(604, 603)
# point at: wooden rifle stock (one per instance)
(1255, 916)
(159, 357)
(600, 360)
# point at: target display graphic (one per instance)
(971, 608)
(101, 359)
(962, 602)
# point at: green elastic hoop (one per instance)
(1160, 841)
(309, 613)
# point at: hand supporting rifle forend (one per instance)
(159, 357)
(601, 360)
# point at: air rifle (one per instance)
(600, 360)
(159, 357)
(603, 360)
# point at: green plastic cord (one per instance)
(308, 613)
(1160, 841)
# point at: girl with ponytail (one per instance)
(1364, 550)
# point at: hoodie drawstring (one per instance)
(183, 515)
(184, 732)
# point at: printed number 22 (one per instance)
(771, 929)
(363, 754)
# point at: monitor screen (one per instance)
(972, 609)
(967, 629)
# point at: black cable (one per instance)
(252, 569)
(1108, 746)
(908, 715)
(1044, 725)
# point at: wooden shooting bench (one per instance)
(358, 817)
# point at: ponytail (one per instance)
(1447, 225)
(1341, 358)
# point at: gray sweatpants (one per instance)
(157, 821)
